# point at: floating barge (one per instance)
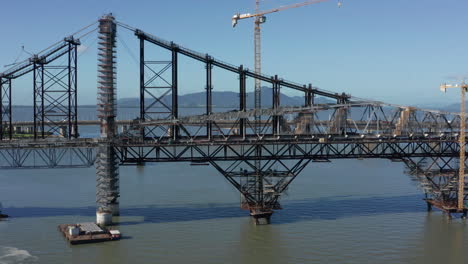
(87, 233)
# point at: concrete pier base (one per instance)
(261, 217)
(103, 218)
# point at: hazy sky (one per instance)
(397, 51)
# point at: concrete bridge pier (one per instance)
(261, 216)
(108, 191)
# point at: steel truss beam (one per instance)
(284, 150)
(22, 158)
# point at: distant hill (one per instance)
(452, 107)
(226, 99)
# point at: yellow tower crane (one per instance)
(461, 141)
(260, 19)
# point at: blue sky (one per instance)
(396, 51)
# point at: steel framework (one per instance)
(55, 108)
(6, 128)
(55, 95)
(259, 151)
(158, 94)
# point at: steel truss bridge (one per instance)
(259, 151)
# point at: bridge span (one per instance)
(259, 151)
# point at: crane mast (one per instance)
(461, 141)
(461, 173)
(258, 94)
(257, 56)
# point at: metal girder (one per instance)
(24, 158)
(286, 150)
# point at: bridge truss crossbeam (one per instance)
(20, 158)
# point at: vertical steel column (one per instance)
(276, 102)
(1, 109)
(5, 111)
(142, 77)
(175, 105)
(37, 94)
(10, 116)
(311, 96)
(107, 166)
(38, 97)
(42, 102)
(72, 88)
(209, 88)
(75, 125)
(242, 99)
(142, 83)
(69, 110)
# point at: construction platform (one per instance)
(448, 207)
(84, 233)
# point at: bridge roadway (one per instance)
(319, 147)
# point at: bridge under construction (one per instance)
(260, 151)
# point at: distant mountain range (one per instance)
(225, 99)
(452, 107)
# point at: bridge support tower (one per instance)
(107, 169)
(261, 182)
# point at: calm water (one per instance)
(341, 212)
